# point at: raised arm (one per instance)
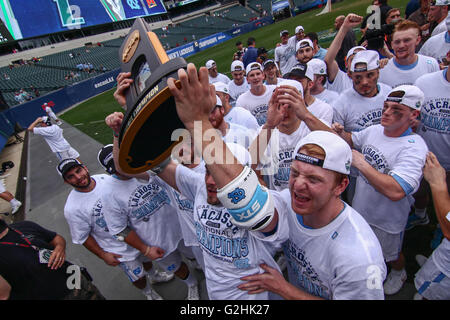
(351, 21)
(34, 124)
(114, 121)
(239, 190)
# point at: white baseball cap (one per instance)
(440, 3)
(218, 102)
(293, 83)
(253, 66)
(298, 29)
(237, 65)
(210, 63)
(338, 155)
(221, 87)
(317, 66)
(369, 58)
(283, 32)
(304, 43)
(408, 95)
(301, 70)
(352, 51)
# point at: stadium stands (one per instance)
(60, 69)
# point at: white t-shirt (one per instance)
(342, 260)
(235, 91)
(146, 207)
(220, 78)
(257, 105)
(356, 112)
(242, 117)
(229, 252)
(185, 211)
(285, 57)
(395, 75)
(435, 115)
(341, 82)
(401, 157)
(240, 135)
(328, 96)
(53, 135)
(279, 154)
(441, 257)
(85, 215)
(441, 27)
(322, 110)
(436, 47)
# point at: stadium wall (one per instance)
(66, 97)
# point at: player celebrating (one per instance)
(256, 99)
(314, 193)
(390, 166)
(53, 135)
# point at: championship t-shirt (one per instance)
(229, 252)
(434, 125)
(437, 46)
(340, 261)
(402, 158)
(356, 112)
(85, 214)
(257, 105)
(146, 207)
(394, 74)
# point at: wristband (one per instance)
(116, 135)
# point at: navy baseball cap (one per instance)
(66, 165)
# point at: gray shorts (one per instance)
(391, 243)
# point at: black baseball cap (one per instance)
(106, 159)
(300, 70)
(66, 165)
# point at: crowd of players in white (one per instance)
(336, 250)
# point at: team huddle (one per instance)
(330, 167)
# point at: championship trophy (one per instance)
(151, 117)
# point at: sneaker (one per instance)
(414, 220)
(59, 123)
(160, 276)
(152, 294)
(394, 281)
(16, 206)
(437, 238)
(193, 293)
(421, 259)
